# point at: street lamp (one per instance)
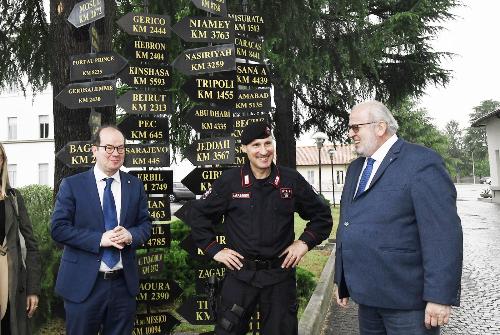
(473, 170)
(320, 138)
(331, 152)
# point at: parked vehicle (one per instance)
(485, 180)
(181, 192)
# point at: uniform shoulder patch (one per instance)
(286, 193)
(207, 193)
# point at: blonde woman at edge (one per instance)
(19, 276)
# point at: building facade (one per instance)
(307, 159)
(26, 132)
(492, 124)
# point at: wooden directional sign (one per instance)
(152, 155)
(218, 89)
(140, 102)
(194, 252)
(208, 119)
(252, 75)
(159, 208)
(144, 128)
(154, 323)
(159, 77)
(183, 212)
(217, 7)
(211, 151)
(248, 48)
(147, 51)
(205, 29)
(253, 101)
(76, 154)
(161, 237)
(85, 12)
(204, 272)
(200, 180)
(88, 95)
(158, 291)
(142, 24)
(156, 181)
(150, 264)
(248, 24)
(95, 65)
(212, 59)
(195, 311)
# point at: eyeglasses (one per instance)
(355, 127)
(111, 148)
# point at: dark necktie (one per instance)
(111, 255)
(365, 176)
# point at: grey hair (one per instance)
(379, 112)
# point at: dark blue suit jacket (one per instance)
(78, 224)
(399, 244)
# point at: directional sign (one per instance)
(253, 101)
(200, 180)
(88, 95)
(147, 76)
(158, 291)
(145, 24)
(252, 75)
(76, 154)
(140, 102)
(218, 89)
(161, 237)
(212, 59)
(217, 7)
(194, 252)
(95, 65)
(159, 208)
(85, 12)
(144, 128)
(204, 272)
(195, 311)
(149, 51)
(151, 155)
(248, 24)
(208, 119)
(205, 29)
(248, 48)
(183, 212)
(211, 151)
(154, 323)
(156, 181)
(150, 264)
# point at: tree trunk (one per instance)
(66, 40)
(285, 139)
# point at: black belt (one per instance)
(110, 275)
(262, 264)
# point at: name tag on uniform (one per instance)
(242, 195)
(286, 193)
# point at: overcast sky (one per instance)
(473, 36)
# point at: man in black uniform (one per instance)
(258, 202)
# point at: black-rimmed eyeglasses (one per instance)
(111, 148)
(355, 127)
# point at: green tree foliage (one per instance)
(416, 126)
(453, 133)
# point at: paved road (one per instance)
(480, 304)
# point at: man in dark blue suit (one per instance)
(399, 240)
(101, 217)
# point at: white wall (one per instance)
(493, 139)
(326, 179)
(27, 151)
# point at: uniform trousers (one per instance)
(277, 305)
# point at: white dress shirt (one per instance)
(117, 195)
(378, 156)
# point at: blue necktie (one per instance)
(365, 176)
(111, 255)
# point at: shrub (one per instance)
(38, 199)
(305, 285)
